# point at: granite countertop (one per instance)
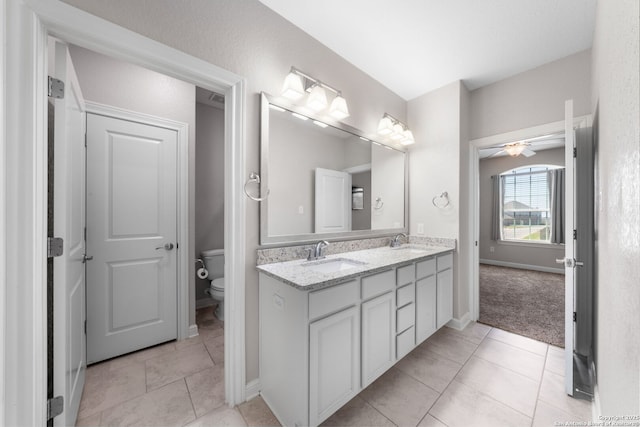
(298, 273)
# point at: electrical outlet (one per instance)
(492, 249)
(301, 209)
(420, 228)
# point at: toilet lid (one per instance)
(218, 283)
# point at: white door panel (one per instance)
(69, 345)
(131, 203)
(332, 201)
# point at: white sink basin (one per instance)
(412, 249)
(332, 265)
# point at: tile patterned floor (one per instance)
(480, 376)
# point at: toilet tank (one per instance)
(214, 262)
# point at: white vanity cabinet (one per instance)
(320, 348)
(444, 280)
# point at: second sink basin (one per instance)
(332, 265)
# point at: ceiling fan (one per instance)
(514, 149)
(524, 147)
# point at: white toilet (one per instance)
(214, 263)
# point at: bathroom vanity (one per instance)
(329, 328)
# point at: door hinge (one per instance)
(575, 234)
(575, 152)
(55, 88)
(85, 326)
(55, 246)
(575, 316)
(55, 407)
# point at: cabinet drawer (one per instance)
(445, 261)
(332, 299)
(406, 317)
(378, 284)
(406, 274)
(405, 343)
(426, 268)
(405, 295)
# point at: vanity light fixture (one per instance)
(297, 83)
(322, 125)
(395, 130)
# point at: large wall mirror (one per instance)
(326, 180)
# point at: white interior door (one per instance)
(569, 260)
(69, 346)
(332, 201)
(132, 236)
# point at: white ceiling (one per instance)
(415, 46)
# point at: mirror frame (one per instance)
(292, 239)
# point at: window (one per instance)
(525, 204)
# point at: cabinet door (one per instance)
(425, 308)
(334, 363)
(378, 337)
(445, 297)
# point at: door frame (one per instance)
(23, 207)
(182, 202)
(474, 193)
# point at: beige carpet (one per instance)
(529, 303)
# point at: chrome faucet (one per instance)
(395, 242)
(316, 251)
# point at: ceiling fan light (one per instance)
(317, 99)
(339, 109)
(385, 126)
(292, 88)
(514, 150)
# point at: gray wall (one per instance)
(249, 39)
(535, 255)
(209, 203)
(532, 98)
(616, 94)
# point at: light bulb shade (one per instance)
(514, 150)
(339, 108)
(408, 138)
(292, 88)
(398, 132)
(385, 126)
(317, 99)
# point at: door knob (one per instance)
(166, 246)
(86, 258)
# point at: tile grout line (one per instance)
(193, 407)
(535, 409)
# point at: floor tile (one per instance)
(106, 387)
(452, 347)
(90, 421)
(522, 361)
(548, 416)
(555, 360)
(464, 406)
(519, 341)
(256, 413)
(179, 364)
(430, 421)
(552, 392)
(504, 385)
(215, 347)
(474, 332)
(188, 342)
(429, 368)
(167, 406)
(206, 389)
(399, 397)
(223, 416)
(357, 412)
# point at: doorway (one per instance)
(27, 28)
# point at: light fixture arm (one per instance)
(310, 82)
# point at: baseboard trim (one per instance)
(252, 389)
(522, 266)
(460, 324)
(193, 331)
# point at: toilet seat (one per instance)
(218, 284)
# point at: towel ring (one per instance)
(379, 203)
(436, 200)
(254, 178)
